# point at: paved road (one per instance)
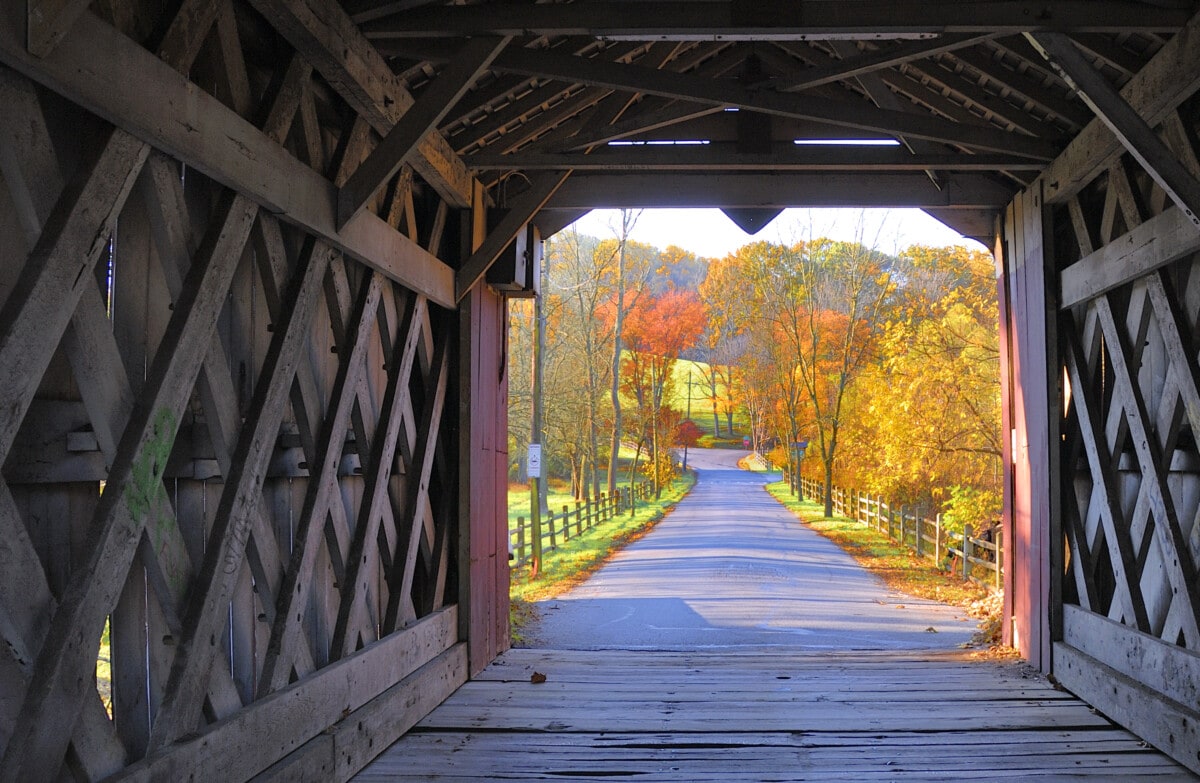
(730, 567)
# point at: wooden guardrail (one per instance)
(569, 522)
(975, 558)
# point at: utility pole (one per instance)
(537, 491)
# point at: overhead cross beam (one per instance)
(800, 20)
(1134, 133)
(811, 189)
(789, 157)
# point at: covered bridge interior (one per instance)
(252, 331)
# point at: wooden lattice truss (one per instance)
(223, 434)
(1123, 258)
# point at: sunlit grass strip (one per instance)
(579, 556)
(898, 566)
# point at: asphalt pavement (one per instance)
(730, 567)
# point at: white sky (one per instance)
(709, 233)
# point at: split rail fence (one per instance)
(979, 559)
(583, 517)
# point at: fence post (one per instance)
(553, 539)
(578, 518)
(966, 550)
(937, 539)
(566, 519)
(996, 540)
(920, 531)
(520, 539)
(903, 524)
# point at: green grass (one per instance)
(702, 406)
(519, 505)
(579, 556)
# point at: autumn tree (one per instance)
(657, 331)
(813, 312)
(633, 267)
(580, 277)
(725, 340)
(930, 428)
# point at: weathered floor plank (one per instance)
(743, 716)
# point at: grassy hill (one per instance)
(701, 404)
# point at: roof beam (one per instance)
(423, 116)
(878, 59)
(799, 20)
(824, 189)
(1025, 86)
(999, 110)
(325, 36)
(694, 88)
(48, 21)
(603, 118)
(789, 157)
(642, 122)
(1134, 133)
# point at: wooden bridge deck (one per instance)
(721, 716)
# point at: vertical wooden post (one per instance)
(937, 539)
(966, 552)
(482, 408)
(1031, 397)
(566, 520)
(578, 518)
(920, 524)
(521, 539)
(553, 538)
(996, 564)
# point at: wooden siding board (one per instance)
(1031, 404)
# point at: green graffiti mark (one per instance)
(146, 485)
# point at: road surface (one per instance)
(730, 567)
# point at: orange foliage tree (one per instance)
(927, 427)
(812, 313)
(657, 330)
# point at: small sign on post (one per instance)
(533, 461)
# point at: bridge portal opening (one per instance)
(827, 347)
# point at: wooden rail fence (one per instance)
(977, 559)
(584, 516)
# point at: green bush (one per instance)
(970, 506)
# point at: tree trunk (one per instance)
(828, 489)
(615, 390)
